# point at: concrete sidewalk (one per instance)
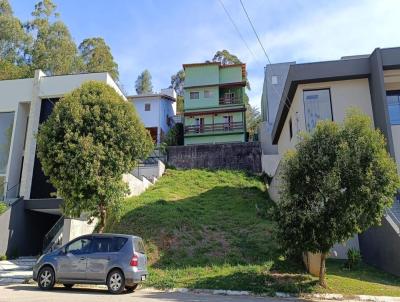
(31, 293)
(16, 271)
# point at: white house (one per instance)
(24, 105)
(156, 110)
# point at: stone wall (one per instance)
(235, 156)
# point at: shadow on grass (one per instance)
(260, 282)
(363, 272)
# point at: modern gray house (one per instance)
(325, 90)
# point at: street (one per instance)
(31, 293)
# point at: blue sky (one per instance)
(161, 35)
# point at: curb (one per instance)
(329, 297)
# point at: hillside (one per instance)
(213, 229)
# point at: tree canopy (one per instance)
(45, 43)
(329, 194)
(143, 83)
(54, 50)
(97, 57)
(89, 141)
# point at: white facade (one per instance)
(156, 111)
(344, 95)
(24, 98)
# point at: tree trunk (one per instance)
(103, 217)
(322, 270)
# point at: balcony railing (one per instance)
(230, 100)
(218, 127)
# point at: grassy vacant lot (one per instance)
(214, 230)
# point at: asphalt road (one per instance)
(31, 293)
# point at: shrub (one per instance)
(353, 258)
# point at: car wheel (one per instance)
(131, 289)
(68, 285)
(46, 278)
(115, 281)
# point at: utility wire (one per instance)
(266, 55)
(237, 29)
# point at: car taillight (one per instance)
(134, 261)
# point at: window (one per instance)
(207, 94)
(194, 95)
(102, 245)
(139, 246)
(6, 129)
(274, 80)
(118, 243)
(229, 96)
(78, 247)
(393, 100)
(228, 120)
(147, 107)
(290, 128)
(317, 106)
(199, 124)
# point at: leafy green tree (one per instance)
(225, 58)
(253, 119)
(54, 50)
(97, 57)
(337, 183)
(14, 45)
(89, 141)
(143, 83)
(178, 81)
(14, 41)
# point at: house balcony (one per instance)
(230, 100)
(214, 128)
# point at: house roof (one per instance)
(151, 95)
(212, 63)
(354, 67)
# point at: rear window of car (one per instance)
(139, 246)
(118, 243)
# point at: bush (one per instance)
(3, 257)
(3, 207)
(353, 258)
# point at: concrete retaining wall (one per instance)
(77, 227)
(235, 156)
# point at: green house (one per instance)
(214, 109)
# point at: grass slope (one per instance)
(213, 229)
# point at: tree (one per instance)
(96, 56)
(143, 83)
(337, 183)
(14, 45)
(53, 51)
(253, 119)
(89, 141)
(225, 58)
(14, 41)
(178, 81)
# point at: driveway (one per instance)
(29, 292)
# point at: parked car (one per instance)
(119, 261)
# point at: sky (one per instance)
(161, 35)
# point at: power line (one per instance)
(266, 55)
(237, 29)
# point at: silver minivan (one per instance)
(119, 261)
